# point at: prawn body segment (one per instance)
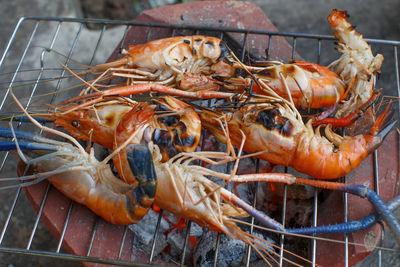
(357, 65)
(310, 85)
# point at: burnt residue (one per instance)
(162, 138)
(181, 127)
(166, 120)
(288, 68)
(188, 141)
(224, 51)
(267, 118)
(182, 137)
(110, 119)
(169, 121)
(271, 119)
(268, 73)
(166, 141)
(172, 141)
(177, 139)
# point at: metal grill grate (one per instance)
(15, 67)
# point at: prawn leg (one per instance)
(144, 88)
(5, 146)
(346, 121)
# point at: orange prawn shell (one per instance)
(311, 151)
(173, 51)
(287, 141)
(111, 205)
(93, 124)
(310, 85)
(187, 130)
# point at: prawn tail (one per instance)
(382, 119)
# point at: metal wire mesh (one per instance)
(18, 70)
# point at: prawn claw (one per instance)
(385, 131)
(141, 163)
(380, 207)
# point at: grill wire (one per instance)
(35, 22)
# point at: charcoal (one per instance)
(144, 232)
(231, 252)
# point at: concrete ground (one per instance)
(375, 19)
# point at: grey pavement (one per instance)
(375, 19)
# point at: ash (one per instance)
(231, 252)
(168, 248)
(169, 244)
(144, 231)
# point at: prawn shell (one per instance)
(284, 140)
(115, 206)
(96, 125)
(310, 85)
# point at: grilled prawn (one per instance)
(277, 129)
(81, 177)
(176, 61)
(182, 188)
(356, 66)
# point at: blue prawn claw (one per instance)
(349, 227)
(383, 212)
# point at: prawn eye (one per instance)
(75, 123)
